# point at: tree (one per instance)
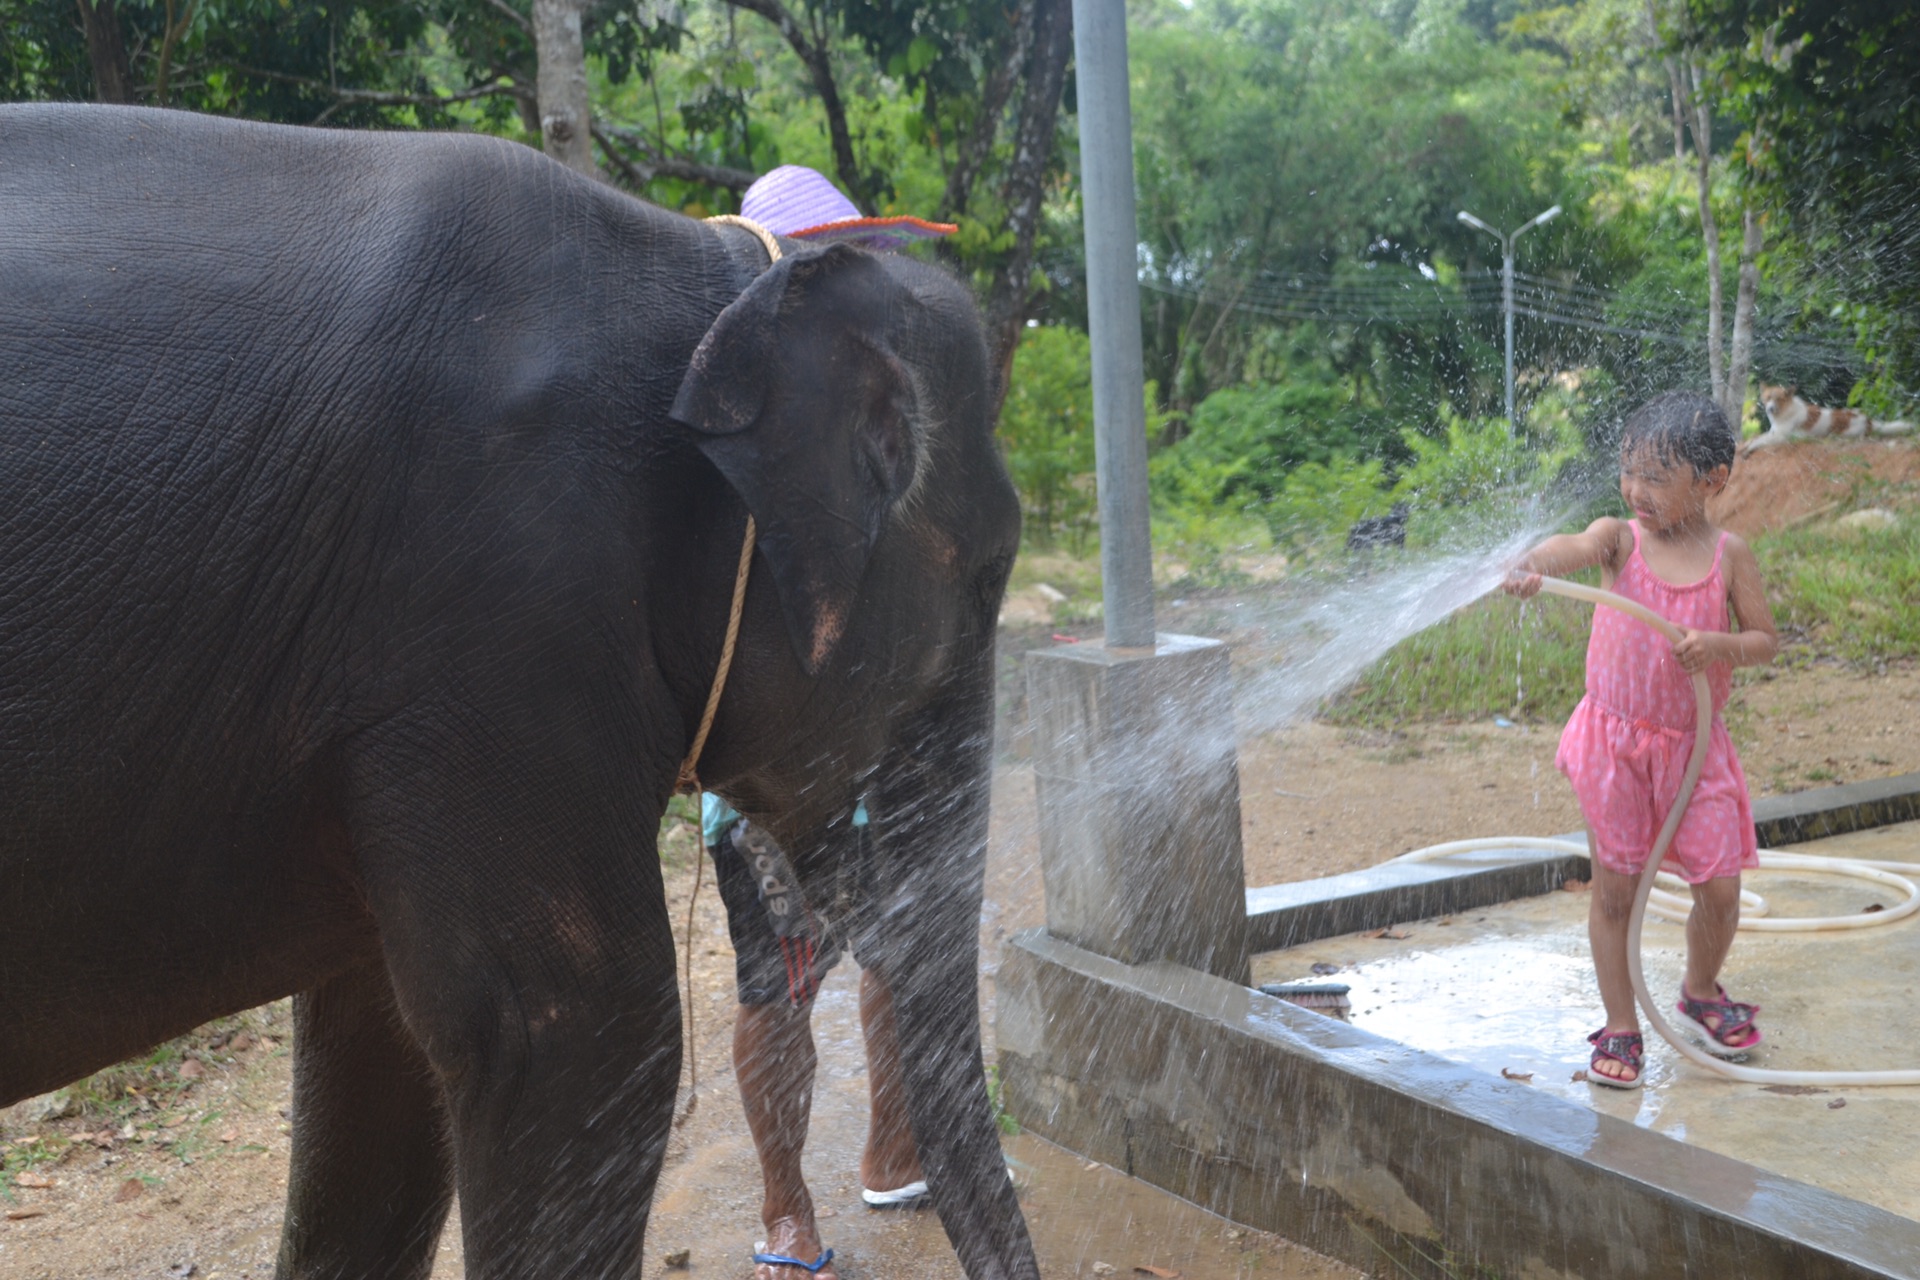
(1827, 93)
(566, 118)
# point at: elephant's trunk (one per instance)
(930, 810)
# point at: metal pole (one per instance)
(1113, 320)
(1506, 303)
(1506, 284)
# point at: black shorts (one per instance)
(781, 951)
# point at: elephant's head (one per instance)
(848, 399)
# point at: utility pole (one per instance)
(1135, 779)
(1113, 320)
(1506, 284)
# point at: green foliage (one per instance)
(1046, 428)
(1473, 461)
(1854, 592)
(1295, 145)
(1320, 501)
(1198, 520)
(1849, 593)
(1495, 657)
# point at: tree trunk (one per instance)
(1032, 148)
(1673, 87)
(814, 55)
(1679, 114)
(565, 118)
(1745, 300)
(974, 148)
(1702, 124)
(106, 51)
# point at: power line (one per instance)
(1418, 299)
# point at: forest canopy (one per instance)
(1735, 179)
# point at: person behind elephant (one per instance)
(781, 952)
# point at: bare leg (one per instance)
(1710, 929)
(890, 1160)
(1607, 916)
(773, 1060)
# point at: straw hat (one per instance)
(793, 200)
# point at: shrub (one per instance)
(1046, 429)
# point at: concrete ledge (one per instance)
(1834, 811)
(1368, 1150)
(1287, 915)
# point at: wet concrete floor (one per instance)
(1085, 1217)
(1510, 988)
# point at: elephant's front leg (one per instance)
(520, 907)
(930, 811)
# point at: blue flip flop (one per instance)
(782, 1260)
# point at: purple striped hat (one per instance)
(794, 200)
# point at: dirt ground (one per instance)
(186, 1177)
(194, 1174)
(1792, 484)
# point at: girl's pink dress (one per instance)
(1625, 749)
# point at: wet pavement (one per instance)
(1085, 1217)
(1509, 989)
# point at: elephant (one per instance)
(369, 510)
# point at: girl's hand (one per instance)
(1694, 651)
(1521, 582)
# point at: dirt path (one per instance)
(191, 1172)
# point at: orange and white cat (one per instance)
(1791, 418)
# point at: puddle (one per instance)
(1510, 988)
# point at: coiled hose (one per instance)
(1753, 909)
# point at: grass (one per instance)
(1491, 658)
(1855, 594)
(1852, 594)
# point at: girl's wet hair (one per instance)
(1681, 426)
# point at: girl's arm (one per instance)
(1756, 642)
(1607, 542)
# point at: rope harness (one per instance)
(687, 783)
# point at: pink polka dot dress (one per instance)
(1625, 749)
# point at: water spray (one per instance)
(1754, 912)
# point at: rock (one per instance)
(1868, 518)
(678, 1260)
(1052, 595)
(1105, 1269)
(57, 1105)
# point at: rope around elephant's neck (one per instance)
(688, 781)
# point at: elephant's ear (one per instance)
(799, 399)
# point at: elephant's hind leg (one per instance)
(525, 928)
(372, 1173)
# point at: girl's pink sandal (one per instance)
(1623, 1047)
(1736, 1022)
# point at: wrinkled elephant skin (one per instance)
(369, 506)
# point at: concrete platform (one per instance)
(1510, 988)
(1411, 1159)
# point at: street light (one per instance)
(1506, 284)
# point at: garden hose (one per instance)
(1753, 909)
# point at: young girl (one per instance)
(1625, 750)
